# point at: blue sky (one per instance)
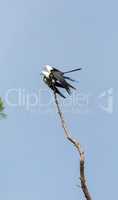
(35, 159)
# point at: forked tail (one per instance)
(74, 70)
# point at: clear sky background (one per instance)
(36, 162)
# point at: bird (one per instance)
(52, 84)
(55, 78)
(59, 76)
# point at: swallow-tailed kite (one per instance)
(55, 78)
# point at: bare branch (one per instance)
(78, 148)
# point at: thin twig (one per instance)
(78, 148)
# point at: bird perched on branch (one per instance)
(55, 79)
(51, 83)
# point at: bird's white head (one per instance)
(48, 68)
(45, 73)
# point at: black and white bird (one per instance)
(52, 83)
(55, 78)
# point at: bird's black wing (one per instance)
(60, 78)
(56, 70)
(58, 92)
(57, 84)
(53, 87)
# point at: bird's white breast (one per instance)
(46, 74)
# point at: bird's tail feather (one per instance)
(69, 85)
(74, 70)
(59, 93)
(70, 79)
